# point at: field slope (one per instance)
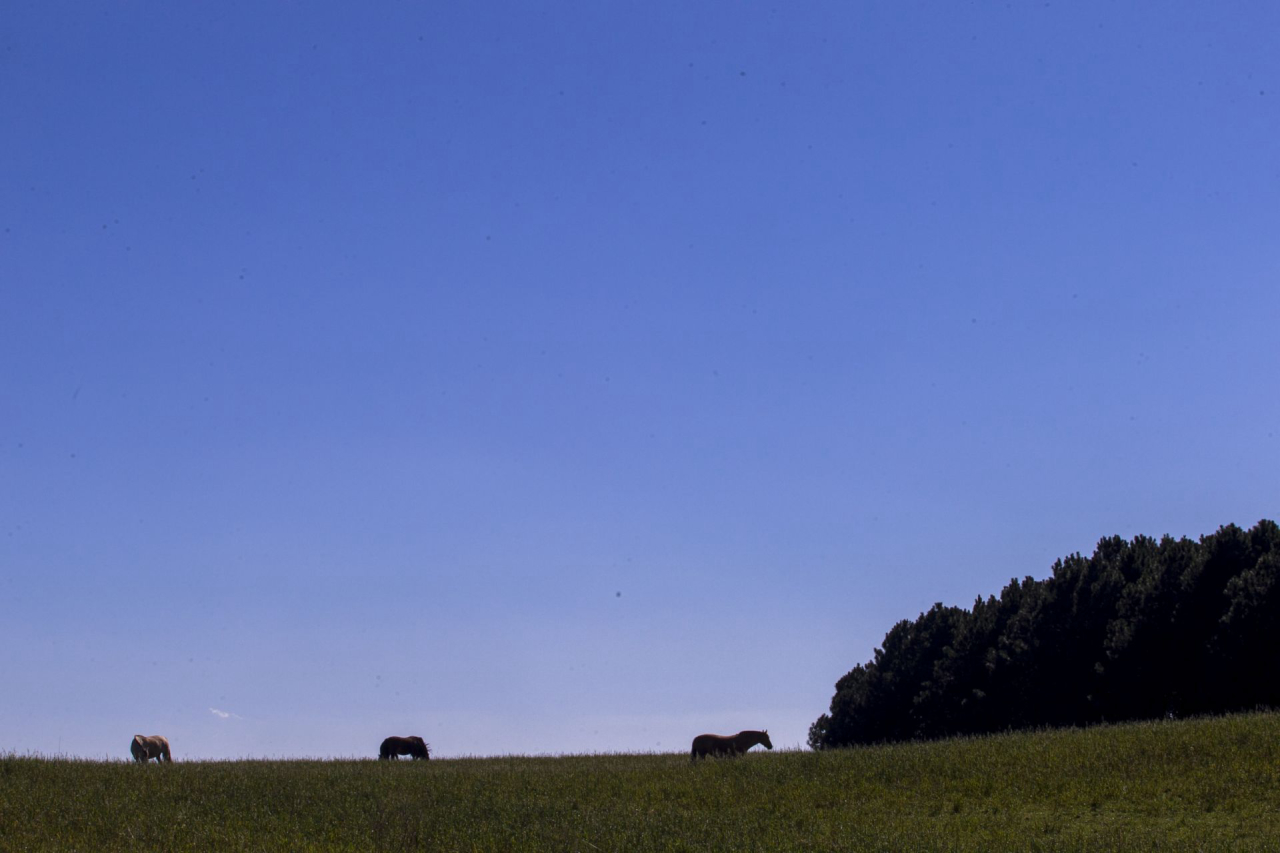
(1208, 784)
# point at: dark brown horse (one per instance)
(394, 746)
(146, 748)
(704, 745)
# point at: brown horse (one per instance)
(146, 748)
(394, 746)
(704, 745)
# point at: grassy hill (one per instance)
(1208, 784)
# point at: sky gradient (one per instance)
(587, 377)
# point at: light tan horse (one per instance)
(704, 745)
(146, 748)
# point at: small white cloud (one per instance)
(225, 715)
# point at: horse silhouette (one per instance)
(146, 748)
(713, 745)
(396, 746)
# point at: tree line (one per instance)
(1140, 630)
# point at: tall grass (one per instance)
(1210, 784)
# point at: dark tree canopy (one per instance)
(1139, 630)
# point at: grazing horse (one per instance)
(704, 745)
(394, 746)
(146, 748)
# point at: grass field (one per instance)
(1210, 784)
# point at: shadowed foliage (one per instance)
(1140, 630)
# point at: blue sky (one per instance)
(583, 377)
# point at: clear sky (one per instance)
(580, 377)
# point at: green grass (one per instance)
(1209, 784)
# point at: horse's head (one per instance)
(764, 739)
